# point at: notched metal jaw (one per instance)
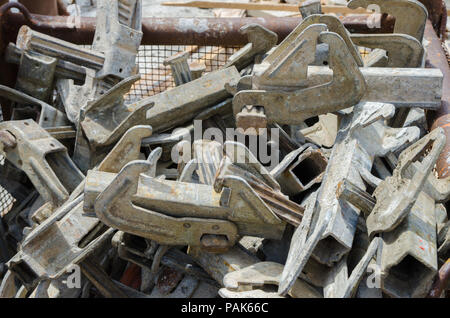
(410, 15)
(241, 200)
(401, 50)
(107, 118)
(260, 39)
(254, 281)
(115, 208)
(278, 83)
(118, 35)
(335, 220)
(114, 51)
(396, 195)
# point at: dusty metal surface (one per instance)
(440, 117)
(303, 169)
(201, 31)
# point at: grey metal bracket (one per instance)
(396, 195)
(251, 280)
(44, 159)
(402, 50)
(333, 24)
(410, 15)
(48, 117)
(345, 90)
(335, 220)
(114, 207)
(260, 39)
(107, 118)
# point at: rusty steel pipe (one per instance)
(174, 31)
(437, 13)
(441, 118)
(441, 281)
(49, 7)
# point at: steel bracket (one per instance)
(300, 104)
(44, 159)
(396, 195)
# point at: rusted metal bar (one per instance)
(49, 7)
(157, 31)
(100, 279)
(437, 13)
(441, 282)
(441, 118)
(175, 31)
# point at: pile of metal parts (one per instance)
(119, 194)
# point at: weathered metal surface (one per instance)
(410, 15)
(62, 233)
(310, 7)
(63, 69)
(280, 77)
(218, 265)
(336, 220)
(402, 50)
(129, 250)
(300, 170)
(31, 40)
(107, 118)
(353, 194)
(439, 118)
(44, 159)
(201, 210)
(339, 284)
(173, 31)
(256, 276)
(333, 24)
(44, 114)
(35, 76)
(181, 104)
(410, 250)
(181, 72)
(403, 87)
(260, 41)
(441, 282)
(396, 195)
(204, 209)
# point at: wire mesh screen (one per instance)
(156, 77)
(6, 199)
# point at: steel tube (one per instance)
(175, 31)
(440, 118)
(441, 281)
